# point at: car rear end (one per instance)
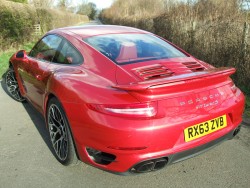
(184, 107)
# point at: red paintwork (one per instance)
(100, 81)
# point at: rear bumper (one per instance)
(177, 157)
(158, 138)
(201, 149)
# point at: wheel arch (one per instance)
(10, 64)
(46, 102)
(47, 98)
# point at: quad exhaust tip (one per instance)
(150, 165)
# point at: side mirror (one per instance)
(21, 54)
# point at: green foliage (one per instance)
(19, 1)
(4, 59)
(247, 107)
(246, 91)
(45, 19)
(63, 4)
(93, 10)
(16, 24)
(18, 20)
(13, 26)
(5, 56)
(88, 9)
(248, 102)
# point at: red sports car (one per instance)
(123, 99)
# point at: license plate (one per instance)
(205, 128)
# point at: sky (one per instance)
(100, 4)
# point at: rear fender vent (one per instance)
(153, 72)
(194, 66)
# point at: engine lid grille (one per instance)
(194, 66)
(153, 72)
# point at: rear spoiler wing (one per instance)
(179, 79)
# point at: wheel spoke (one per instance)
(58, 134)
(53, 134)
(12, 86)
(55, 116)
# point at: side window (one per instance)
(46, 48)
(68, 55)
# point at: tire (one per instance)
(12, 85)
(60, 135)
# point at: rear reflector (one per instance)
(138, 110)
(233, 88)
(127, 148)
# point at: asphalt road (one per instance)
(26, 159)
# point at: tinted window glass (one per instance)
(131, 48)
(46, 48)
(68, 55)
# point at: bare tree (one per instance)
(88, 9)
(64, 4)
(42, 3)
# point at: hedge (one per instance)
(17, 22)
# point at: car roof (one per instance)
(95, 30)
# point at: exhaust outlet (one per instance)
(236, 131)
(159, 164)
(147, 167)
(150, 165)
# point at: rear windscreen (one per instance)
(132, 48)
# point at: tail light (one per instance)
(233, 88)
(138, 110)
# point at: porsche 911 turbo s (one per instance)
(123, 99)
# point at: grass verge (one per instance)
(247, 106)
(247, 111)
(5, 56)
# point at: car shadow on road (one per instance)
(35, 116)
